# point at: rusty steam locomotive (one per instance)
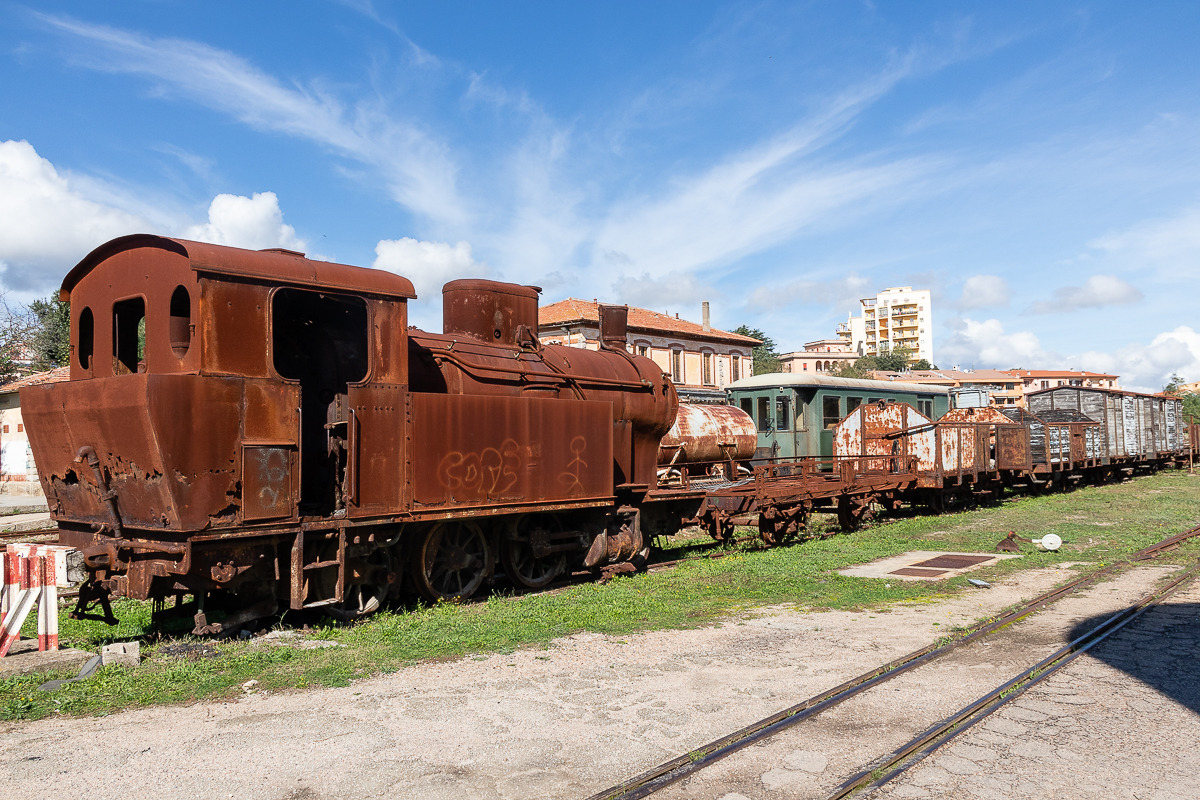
(266, 427)
(265, 431)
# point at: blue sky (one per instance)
(1035, 164)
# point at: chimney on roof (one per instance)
(676, 315)
(704, 315)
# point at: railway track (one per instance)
(688, 764)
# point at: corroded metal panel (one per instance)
(377, 442)
(167, 446)
(477, 450)
(1012, 448)
(267, 482)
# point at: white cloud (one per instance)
(46, 223)
(841, 293)
(1097, 292)
(428, 265)
(254, 223)
(985, 345)
(671, 291)
(984, 291)
(1174, 241)
(416, 168)
(1148, 367)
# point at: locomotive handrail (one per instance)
(643, 384)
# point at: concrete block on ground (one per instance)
(123, 654)
(25, 659)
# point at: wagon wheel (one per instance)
(520, 547)
(451, 561)
(364, 596)
(853, 511)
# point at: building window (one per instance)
(6, 429)
(643, 351)
(1045, 384)
(783, 416)
(831, 412)
(735, 371)
(706, 371)
(764, 413)
(818, 366)
(20, 427)
(677, 366)
(806, 366)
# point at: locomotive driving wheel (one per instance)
(526, 553)
(451, 560)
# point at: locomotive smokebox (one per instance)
(489, 311)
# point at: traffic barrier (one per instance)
(32, 575)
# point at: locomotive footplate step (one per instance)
(924, 565)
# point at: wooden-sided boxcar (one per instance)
(1135, 428)
(796, 413)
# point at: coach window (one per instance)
(181, 321)
(129, 336)
(748, 407)
(831, 415)
(764, 413)
(925, 406)
(852, 403)
(783, 415)
(87, 338)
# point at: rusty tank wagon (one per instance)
(264, 429)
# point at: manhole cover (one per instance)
(914, 572)
(953, 562)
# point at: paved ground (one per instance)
(1121, 722)
(559, 723)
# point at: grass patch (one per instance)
(1097, 524)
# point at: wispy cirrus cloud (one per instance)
(418, 169)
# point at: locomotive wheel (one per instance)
(363, 599)
(517, 552)
(451, 561)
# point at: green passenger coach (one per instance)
(795, 413)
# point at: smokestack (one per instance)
(704, 315)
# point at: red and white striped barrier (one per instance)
(32, 574)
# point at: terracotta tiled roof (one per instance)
(1058, 373)
(36, 379)
(573, 312)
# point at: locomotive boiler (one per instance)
(260, 426)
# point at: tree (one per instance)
(922, 364)
(893, 360)
(765, 357)
(50, 343)
(16, 327)
(1191, 400)
(849, 369)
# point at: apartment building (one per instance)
(1034, 380)
(699, 358)
(896, 317)
(821, 356)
